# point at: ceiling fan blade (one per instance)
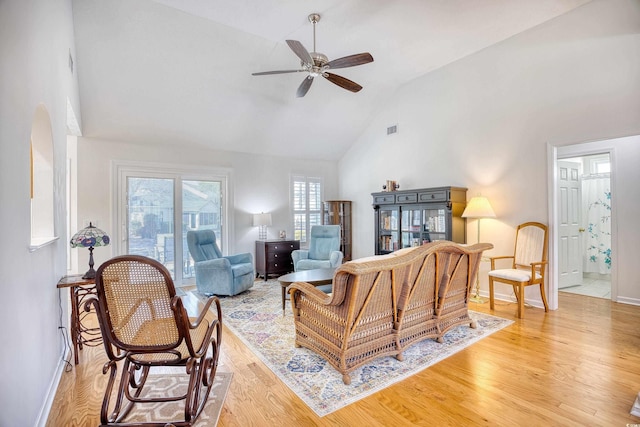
(342, 82)
(266, 73)
(351, 60)
(300, 51)
(304, 86)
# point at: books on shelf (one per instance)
(387, 243)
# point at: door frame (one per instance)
(555, 152)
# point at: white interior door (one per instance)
(569, 231)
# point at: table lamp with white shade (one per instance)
(262, 220)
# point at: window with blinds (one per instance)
(306, 202)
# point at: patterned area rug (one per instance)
(255, 316)
(173, 384)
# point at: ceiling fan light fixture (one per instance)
(320, 59)
(316, 64)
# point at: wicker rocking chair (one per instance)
(144, 325)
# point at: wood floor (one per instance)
(576, 366)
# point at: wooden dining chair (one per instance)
(528, 264)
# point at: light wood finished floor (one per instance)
(577, 366)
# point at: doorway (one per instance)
(585, 234)
(557, 154)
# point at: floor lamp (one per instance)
(478, 208)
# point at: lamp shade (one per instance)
(261, 219)
(478, 207)
(89, 237)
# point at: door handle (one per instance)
(581, 230)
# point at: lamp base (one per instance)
(262, 232)
(477, 299)
(90, 274)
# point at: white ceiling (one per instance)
(179, 71)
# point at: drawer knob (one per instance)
(275, 255)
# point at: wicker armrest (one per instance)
(311, 292)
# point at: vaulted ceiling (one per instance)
(179, 71)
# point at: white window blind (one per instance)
(306, 201)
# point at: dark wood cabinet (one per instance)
(338, 212)
(273, 257)
(415, 217)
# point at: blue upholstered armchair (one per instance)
(217, 274)
(324, 249)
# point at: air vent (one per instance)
(392, 129)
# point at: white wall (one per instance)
(35, 39)
(484, 123)
(258, 184)
(627, 196)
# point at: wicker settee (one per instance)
(381, 305)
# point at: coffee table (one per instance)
(316, 277)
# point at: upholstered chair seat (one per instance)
(514, 274)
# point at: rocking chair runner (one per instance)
(144, 325)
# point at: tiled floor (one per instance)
(593, 287)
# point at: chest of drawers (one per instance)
(273, 257)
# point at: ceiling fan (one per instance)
(317, 64)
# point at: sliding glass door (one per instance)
(201, 209)
(150, 219)
(158, 209)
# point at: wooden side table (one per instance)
(273, 257)
(80, 290)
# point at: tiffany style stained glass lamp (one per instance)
(90, 237)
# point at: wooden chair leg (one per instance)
(544, 298)
(491, 301)
(520, 301)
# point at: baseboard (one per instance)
(43, 416)
(538, 304)
(630, 301)
(512, 299)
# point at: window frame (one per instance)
(41, 188)
(307, 211)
